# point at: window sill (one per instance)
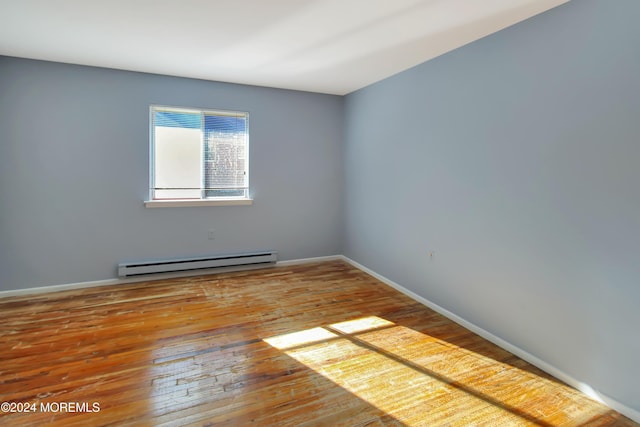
(203, 202)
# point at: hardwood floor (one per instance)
(319, 344)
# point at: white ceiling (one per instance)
(328, 46)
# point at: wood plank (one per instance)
(315, 344)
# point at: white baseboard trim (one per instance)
(160, 276)
(92, 284)
(309, 260)
(58, 288)
(552, 370)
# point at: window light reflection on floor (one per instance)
(295, 339)
(416, 377)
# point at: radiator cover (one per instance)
(139, 268)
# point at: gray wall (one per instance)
(517, 160)
(74, 169)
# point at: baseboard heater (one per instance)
(238, 261)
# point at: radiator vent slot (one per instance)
(237, 261)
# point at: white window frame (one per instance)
(183, 202)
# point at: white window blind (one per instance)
(198, 154)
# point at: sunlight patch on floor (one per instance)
(418, 378)
(296, 339)
(361, 325)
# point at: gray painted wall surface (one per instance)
(517, 160)
(74, 169)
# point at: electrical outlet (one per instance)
(211, 234)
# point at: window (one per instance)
(198, 157)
